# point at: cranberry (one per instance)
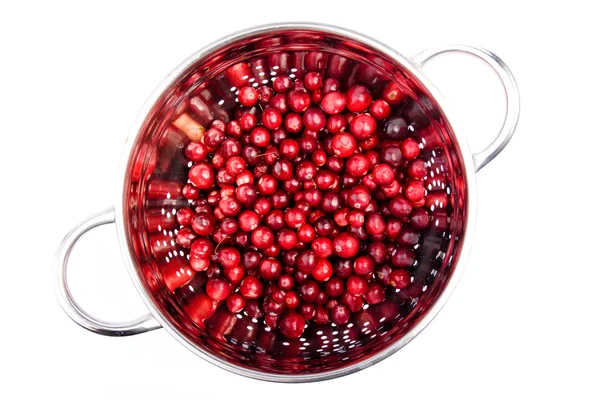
(235, 303)
(298, 100)
(260, 137)
(400, 278)
(363, 126)
(393, 94)
(314, 119)
(234, 274)
(282, 84)
(271, 119)
(340, 315)
(358, 98)
(395, 128)
(293, 123)
(313, 81)
(248, 96)
(343, 145)
(251, 287)
(262, 237)
(345, 245)
(291, 325)
(286, 239)
(359, 197)
(358, 165)
(308, 311)
(419, 219)
(323, 270)
(250, 259)
(375, 224)
(202, 175)
(217, 288)
(354, 303)
(380, 109)
(414, 191)
(403, 258)
(417, 169)
(184, 216)
(203, 224)
(400, 207)
(292, 300)
(356, 286)
(270, 269)
(309, 290)
(306, 262)
(286, 282)
(363, 265)
(289, 148)
(322, 316)
(267, 184)
(306, 233)
(333, 103)
(294, 218)
(408, 237)
(253, 309)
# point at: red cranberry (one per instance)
(419, 219)
(343, 145)
(292, 300)
(251, 287)
(286, 239)
(248, 96)
(331, 85)
(375, 294)
(345, 245)
(234, 274)
(313, 81)
(359, 197)
(322, 316)
(380, 109)
(358, 99)
(383, 174)
(309, 290)
(356, 286)
(308, 311)
(403, 258)
(293, 123)
(184, 216)
(363, 126)
(262, 237)
(306, 262)
(340, 315)
(204, 224)
(282, 84)
(291, 325)
(400, 278)
(358, 165)
(400, 207)
(408, 237)
(314, 119)
(267, 184)
(202, 175)
(306, 233)
(260, 137)
(298, 100)
(217, 288)
(414, 191)
(286, 282)
(333, 103)
(323, 270)
(394, 94)
(375, 224)
(270, 269)
(289, 148)
(363, 265)
(250, 259)
(235, 303)
(417, 169)
(271, 119)
(354, 303)
(185, 237)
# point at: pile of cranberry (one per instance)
(304, 207)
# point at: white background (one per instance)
(523, 323)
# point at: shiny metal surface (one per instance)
(511, 91)
(142, 324)
(471, 165)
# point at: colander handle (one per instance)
(511, 92)
(69, 305)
